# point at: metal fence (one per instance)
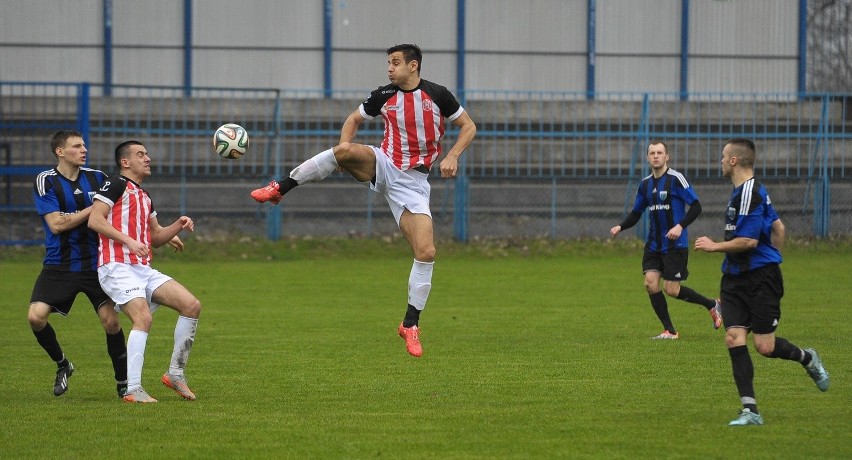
(553, 164)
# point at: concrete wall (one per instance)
(529, 45)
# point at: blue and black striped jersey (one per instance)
(666, 200)
(750, 214)
(76, 249)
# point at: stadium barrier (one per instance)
(552, 164)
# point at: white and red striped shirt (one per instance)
(131, 210)
(414, 121)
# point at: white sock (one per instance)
(315, 169)
(184, 338)
(136, 342)
(420, 283)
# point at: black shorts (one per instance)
(671, 264)
(59, 289)
(753, 299)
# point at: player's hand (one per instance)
(703, 243)
(138, 249)
(186, 223)
(449, 167)
(176, 243)
(614, 231)
(675, 232)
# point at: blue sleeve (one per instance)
(641, 203)
(687, 194)
(751, 224)
(46, 202)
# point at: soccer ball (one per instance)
(231, 141)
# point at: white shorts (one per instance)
(402, 189)
(125, 282)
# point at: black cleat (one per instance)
(121, 389)
(62, 375)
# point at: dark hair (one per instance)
(121, 150)
(744, 150)
(58, 138)
(410, 52)
(658, 141)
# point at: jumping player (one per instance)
(413, 110)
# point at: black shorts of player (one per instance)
(671, 264)
(753, 299)
(59, 289)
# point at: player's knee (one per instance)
(37, 322)
(342, 151)
(672, 290)
(765, 348)
(192, 309)
(732, 340)
(426, 253)
(111, 324)
(143, 322)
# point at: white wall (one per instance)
(510, 45)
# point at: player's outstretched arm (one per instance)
(614, 231)
(161, 235)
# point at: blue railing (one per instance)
(536, 135)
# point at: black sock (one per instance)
(412, 317)
(661, 308)
(688, 295)
(47, 339)
(117, 351)
(286, 184)
(743, 376)
(806, 358)
(786, 350)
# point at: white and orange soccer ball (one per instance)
(231, 141)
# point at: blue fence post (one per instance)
(107, 47)
(684, 50)
(637, 159)
(591, 50)
(822, 198)
(460, 198)
(274, 214)
(553, 207)
(83, 103)
(187, 48)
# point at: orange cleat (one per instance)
(138, 396)
(412, 340)
(666, 335)
(269, 193)
(716, 314)
(178, 383)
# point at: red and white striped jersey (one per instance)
(131, 209)
(414, 121)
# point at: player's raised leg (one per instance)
(356, 159)
(313, 169)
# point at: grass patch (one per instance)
(532, 348)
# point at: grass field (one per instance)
(531, 350)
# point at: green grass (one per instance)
(532, 349)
